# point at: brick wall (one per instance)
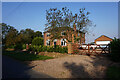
(59, 40)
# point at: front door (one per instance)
(54, 44)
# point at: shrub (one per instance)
(18, 47)
(12, 46)
(50, 49)
(115, 50)
(44, 48)
(37, 41)
(65, 49)
(41, 48)
(24, 46)
(113, 73)
(56, 48)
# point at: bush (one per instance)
(18, 47)
(12, 46)
(37, 41)
(50, 49)
(41, 48)
(44, 48)
(24, 46)
(113, 73)
(56, 48)
(115, 50)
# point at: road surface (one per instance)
(15, 69)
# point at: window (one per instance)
(48, 42)
(63, 33)
(48, 34)
(55, 41)
(63, 42)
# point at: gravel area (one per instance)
(73, 66)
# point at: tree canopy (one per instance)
(65, 18)
(37, 41)
(12, 37)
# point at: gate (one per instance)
(88, 49)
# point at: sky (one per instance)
(22, 15)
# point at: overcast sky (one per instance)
(22, 15)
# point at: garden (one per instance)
(15, 42)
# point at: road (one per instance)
(15, 69)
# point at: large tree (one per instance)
(8, 34)
(27, 35)
(38, 34)
(10, 38)
(66, 19)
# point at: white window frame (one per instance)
(48, 34)
(48, 42)
(64, 42)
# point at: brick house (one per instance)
(103, 40)
(63, 41)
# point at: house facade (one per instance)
(103, 40)
(63, 41)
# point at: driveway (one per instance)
(73, 66)
(15, 69)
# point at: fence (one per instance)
(88, 49)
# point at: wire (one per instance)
(13, 11)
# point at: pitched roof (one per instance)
(103, 38)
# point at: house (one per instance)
(63, 41)
(103, 40)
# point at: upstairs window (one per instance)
(48, 34)
(63, 33)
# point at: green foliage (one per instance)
(24, 46)
(18, 46)
(65, 20)
(6, 29)
(40, 48)
(24, 56)
(113, 73)
(11, 37)
(44, 48)
(115, 50)
(38, 34)
(12, 46)
(27, 35)
(37, 41)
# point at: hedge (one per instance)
(115, 50)
(41, 48)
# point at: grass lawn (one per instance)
(25, 56)
(113, 73)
